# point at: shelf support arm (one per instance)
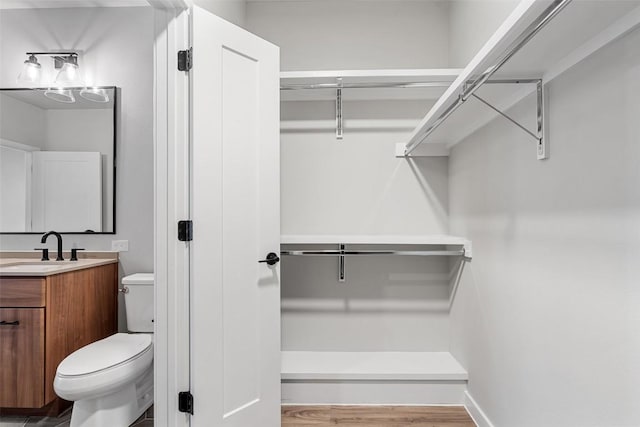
(543, 140)
(341, 275)
(505, 115)
(541, 144)
(339, 121)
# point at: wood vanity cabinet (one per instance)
(43, 320)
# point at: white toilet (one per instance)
(111, 381)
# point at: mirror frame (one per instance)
(115, 175)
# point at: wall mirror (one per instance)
(57, 168)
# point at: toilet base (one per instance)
(117, 409)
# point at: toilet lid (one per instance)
(104, 354)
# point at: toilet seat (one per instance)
(104, 354)
(103, 366)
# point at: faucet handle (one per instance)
(45, 253)
(74, 253)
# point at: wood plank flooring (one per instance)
(376, 416)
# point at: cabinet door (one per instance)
(21, 357)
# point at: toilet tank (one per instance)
(138, 301)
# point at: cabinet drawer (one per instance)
(21, 357)
(22, 292)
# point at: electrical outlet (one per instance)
(120, 245)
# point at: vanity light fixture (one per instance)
(66, 62)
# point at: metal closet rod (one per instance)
(388, 85)
(334, 252)
(533, 29)
(362, 85)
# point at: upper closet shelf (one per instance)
(422, 84)
(539, 41)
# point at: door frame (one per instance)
(171, 204)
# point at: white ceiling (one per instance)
(37, 4)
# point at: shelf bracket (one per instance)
(538, 135)
(339, 125)
(341, 275)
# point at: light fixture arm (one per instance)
(53, 53)
(59, 58)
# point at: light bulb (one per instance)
(94, 94)
(30, 74)
(60, 95)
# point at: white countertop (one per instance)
(29, 264)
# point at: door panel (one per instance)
(235, 301)
(240, 231)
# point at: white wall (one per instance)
(347, 34)
(233, 11)
(471, 24)
(21, 122)
(117, 49)
(385, 304)
(357, 185)
(547, 319)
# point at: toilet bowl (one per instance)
(111, 381)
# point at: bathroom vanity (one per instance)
(47, 311)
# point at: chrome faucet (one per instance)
(59, 237)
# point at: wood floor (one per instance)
(376, 416)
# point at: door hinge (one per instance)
(185, 402)
(185, 59)
(185, 230)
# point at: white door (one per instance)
(67, 191)
(235, 196)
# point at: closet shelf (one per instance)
(425, 246)
(421, 84)
(386, 240)
(403, 366)
(568, 35)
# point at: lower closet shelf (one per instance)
(367, 366)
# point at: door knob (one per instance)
(272, 258)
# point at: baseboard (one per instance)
(331, 392)
(478, 415)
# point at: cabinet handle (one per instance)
(5, 323)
